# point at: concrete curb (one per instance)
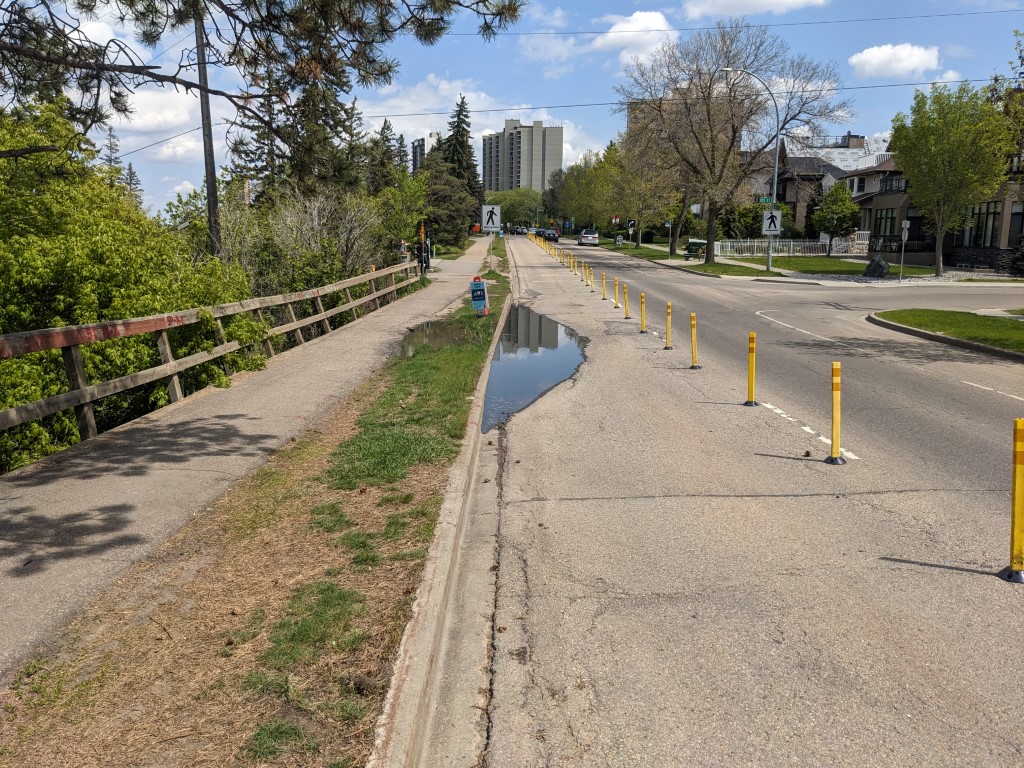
(403, 726)
(962, 343)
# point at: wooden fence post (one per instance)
(291, 318)
(163, 344)
(268, 348)
(348, 297)
(218, 333)
(76, 379)
(325, 323)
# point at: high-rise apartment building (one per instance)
(521, 156)
(420, 147)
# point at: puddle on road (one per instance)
(533, 355)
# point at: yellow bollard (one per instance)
(668, 325)
(625, 298)
(693, 340)
(616, 293)
(593, 287)
(643, 313)
(751, 351)
(583, 272)
(835, 457)
(1015, 572)
(604, 288)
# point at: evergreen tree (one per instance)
(382, 159)
(450, 207)
(131, 180)
(316, 127)
(402, 155)
(257, 153)
(111, 156)
(457, 151)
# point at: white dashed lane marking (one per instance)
(991, 389)
(809, 430)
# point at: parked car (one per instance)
(532, 231)
(695, 247)
(587, 237)
(551, 235)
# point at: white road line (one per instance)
(990, 389)
(809, 430)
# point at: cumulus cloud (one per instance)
(696, 9)
(636, 36)
(160, 111)
(949, 76)
(183, 189)
(889, 61)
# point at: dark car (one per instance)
(551, 235)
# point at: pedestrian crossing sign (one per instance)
(771, 222)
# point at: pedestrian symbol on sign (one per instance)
(771, 223)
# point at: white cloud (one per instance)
(187, 148)
(541, 14)
(636, 36)
(949, 76)
(696, 9)
(893, 61)
(183, 189)
(161, 111)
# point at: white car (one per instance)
(587, 237)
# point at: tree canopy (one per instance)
(954, 150)
(838, 215)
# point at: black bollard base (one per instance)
(835, 460)
(752, 403)
(1012, 576)
(694, 367)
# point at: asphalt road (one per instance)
(682, 580)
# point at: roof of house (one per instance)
(887, 165)
(811, 166)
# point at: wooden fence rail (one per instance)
(69, 339)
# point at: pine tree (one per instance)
(457, 151)
(131, 180)
(402, 156)
(318, 123)
(381, 161)
(111, 156)
(257, 155)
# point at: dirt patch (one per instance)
(169, 667)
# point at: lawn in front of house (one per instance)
(1001, 332)
(825, 265)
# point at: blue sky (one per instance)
(561, 62)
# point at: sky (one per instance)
(561, 63)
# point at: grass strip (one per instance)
(826, 265)
(1001, 332)
(718, 268)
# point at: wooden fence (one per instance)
(69, 339)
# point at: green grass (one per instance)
(1004, 333)
(330, 517)
(395, 499)
(717, 268)
(421, 417)
(1015, 311)
(319, 614)
(235, 637)
(823, 265)
(271, 739)
(643, 252)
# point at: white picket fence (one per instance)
(855, 244)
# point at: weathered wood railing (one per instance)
(69, 339)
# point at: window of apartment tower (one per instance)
(885, 221)
(982, 230)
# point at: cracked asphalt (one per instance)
(682, 581)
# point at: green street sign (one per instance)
(764, 199)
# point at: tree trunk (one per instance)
(677, 228)
(939, 237)
(828, 253)
(709, 256)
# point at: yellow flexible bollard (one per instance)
(643, 313)
(583, 272)
(604, 288)
(593, 288)
(625, 298)
(693, 340)
(616, 293)
(668, 325)
(1015, 572)
(835, 457)
(751, 352)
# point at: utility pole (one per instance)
(212, 217)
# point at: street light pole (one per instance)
(778, 136)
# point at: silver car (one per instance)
(587, 237)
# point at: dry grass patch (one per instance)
(256, 635)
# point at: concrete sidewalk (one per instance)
(71, 523)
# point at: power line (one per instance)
(872, 19)
(169, 138)
(619, 103)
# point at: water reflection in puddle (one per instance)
(533, 355)
(436, 333)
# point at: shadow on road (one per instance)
(134, 451)
(972, 571)
(33, 539)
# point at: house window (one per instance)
(982, 229)
(860, 184)
(885, 221)
(1016, 225)
(850, 183)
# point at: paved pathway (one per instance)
(71, 523)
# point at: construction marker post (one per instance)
(1015, 572)
(583, 273)
(593, 288)
(604, 288)
(643, 313)
(751, 367)
(616, 293)
(625, 299)
(835, 456)
(693, 340)
(668, 325)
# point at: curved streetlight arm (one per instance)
(778, 136)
